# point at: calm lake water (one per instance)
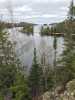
(44, 45)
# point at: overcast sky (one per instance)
(36, 11)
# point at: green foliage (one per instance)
(50, 81)
(28, 29)
(71, 11)
(20, 88)
(65, 72)
(7, 62)
(12, 81)
(57, 28)
(45, 31)
(68, 56)
(35, 78)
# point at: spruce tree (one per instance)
(12, 79)
(71, 11)
(20, 88)
(35, 79)
(8, 65)
(67, 71)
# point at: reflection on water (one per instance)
(44, 45)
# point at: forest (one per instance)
(43, 82)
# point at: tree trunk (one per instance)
(8, 96)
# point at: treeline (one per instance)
(27, 29)
(60, 27)
(57, 28)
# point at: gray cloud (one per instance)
(36, 11)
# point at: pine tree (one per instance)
(68, 57)
(13, 83)
(71, 11)
(8, 66)
(35, 79)
(20, 88)
(11, 75)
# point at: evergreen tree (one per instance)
(35, 79)
(9, 70)
(71, 11)
(20, 88)
(45, 30)
(8, 64)
(67, 70)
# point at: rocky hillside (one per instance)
(68, 94)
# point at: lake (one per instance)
(44, 45)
